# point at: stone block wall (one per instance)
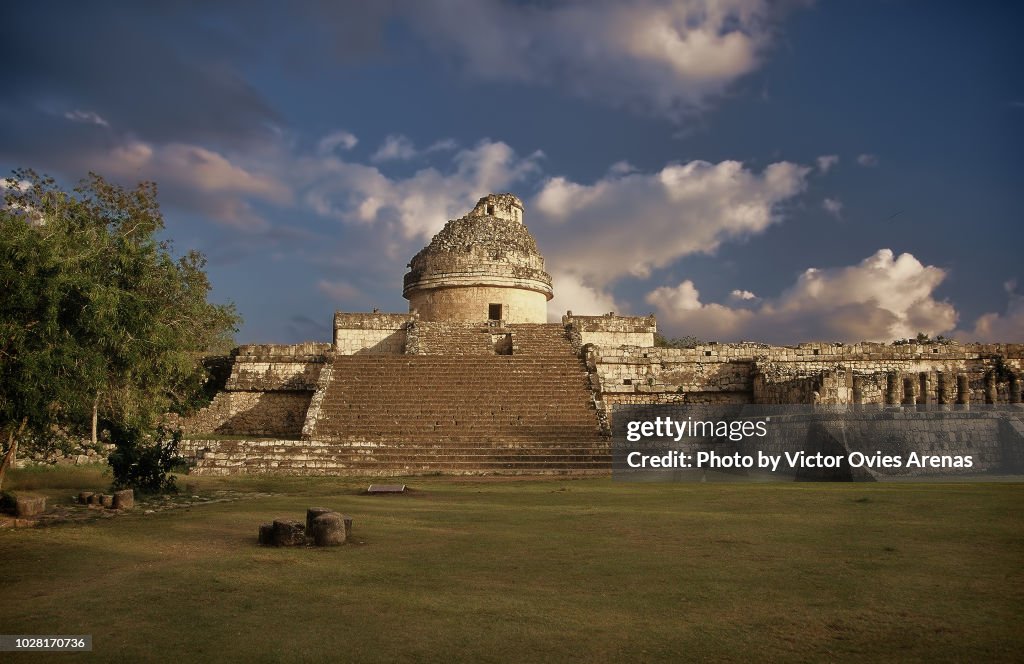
(266, 394)
(863, 373)
(611, 331)
(370, 333)
(881, 374)
(247, 413)
(629, 370)
(265, 368)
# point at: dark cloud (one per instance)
(304, 328)
(130, 69)
(175, 72)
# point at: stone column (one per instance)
(858, 390)
(892, 396)
(1014, 388)
(908, 391)
(991, 393)
(963, 390)
(942, 388)
(922, 393)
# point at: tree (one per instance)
(98, 321)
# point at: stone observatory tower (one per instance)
(484, 266)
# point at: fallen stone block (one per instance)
(329, 530)
(266, 535)
(288, 533)
(84, 496)
(26, 506)
(107, 501)
(124, 499)
(94, 498)
(312, 513)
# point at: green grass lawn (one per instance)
(533, 570)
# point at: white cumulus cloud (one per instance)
(827, 161)
(833, 206)
(1007, 327)
(630, 224)
(573, 295)
(668, 57)
(337, 139)
(213, 183)
(197, 167)
(882, 298)
(416, 206)
(395, 146)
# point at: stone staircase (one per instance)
(297, 457)
(465, 411)
(454, 339)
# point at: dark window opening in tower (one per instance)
(490, 209)
(494, 312)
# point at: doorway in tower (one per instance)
(494, 312)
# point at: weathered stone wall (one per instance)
(362, 333)
(880, 374)
(266, 394)
(268, 374)
(786, 384)
(249, 413)
(471, 304)
(611, 331)
(865, 373)
(636, 370)
(308, 350)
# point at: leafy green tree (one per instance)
(99, 323)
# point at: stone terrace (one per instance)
(456, 403)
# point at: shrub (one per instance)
(143, 461)
(688, 341)
(8, 503)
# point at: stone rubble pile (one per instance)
(119, 500)
(323, 527)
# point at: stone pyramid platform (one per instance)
(473, 399)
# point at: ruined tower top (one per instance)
(503, 206)
(483, 266)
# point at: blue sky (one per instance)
(784, 171)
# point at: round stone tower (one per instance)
(484, 266)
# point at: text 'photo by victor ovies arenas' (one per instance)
(500, 331)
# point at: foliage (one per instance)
(1000, 368)
(144, 462)
(97, 313)
(8, 503)
(923, 339)
(216, 370)
(678, 342)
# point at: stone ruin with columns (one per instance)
(474, 379)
